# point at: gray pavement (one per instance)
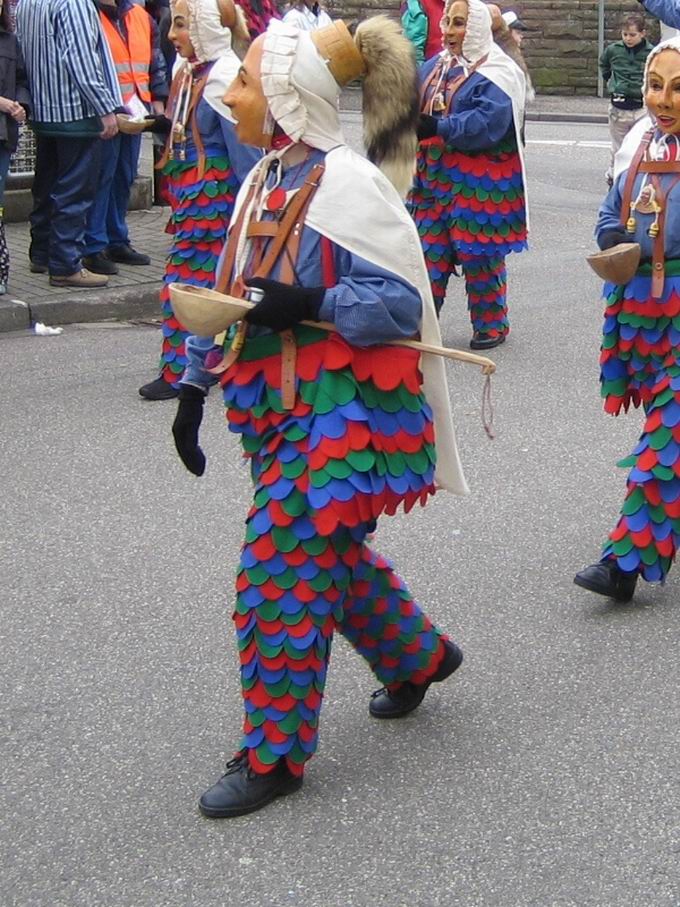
(544, 773)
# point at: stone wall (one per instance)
(561, 48)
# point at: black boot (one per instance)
(99, 263)
(158, 390)
(482, 341)
(605, 578)
(126, 255)
(241, 790)
(405, 698)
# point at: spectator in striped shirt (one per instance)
(75, 95)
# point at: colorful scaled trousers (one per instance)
(201, 211)
(640, 365)
(469, 210)
(358, 443)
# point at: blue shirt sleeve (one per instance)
(666, 10)
(80, 40)
(369, 305)
(482, 116)
(609, 215)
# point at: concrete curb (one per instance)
(120, 304)
(547, 116)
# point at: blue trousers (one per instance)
(64, 185)
(106, 224)
(4, 169)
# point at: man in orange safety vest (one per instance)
(133, 39)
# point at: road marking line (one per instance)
(569, 143)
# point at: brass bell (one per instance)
(631, 224)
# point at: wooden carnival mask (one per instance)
(662, 94)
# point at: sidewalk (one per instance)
(559, 109)
(133, 294)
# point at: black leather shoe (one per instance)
(37, 267)
(158, 390)
(486, 341)
(408, 696)
(241, 790)
(126, 255)
(99, 263)
(605, 578)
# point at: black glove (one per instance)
(427, 127)
(158, 123)
(282, 306)
(611, 238)
(185, 428)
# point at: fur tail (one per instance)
(240, 36)
(390, 99)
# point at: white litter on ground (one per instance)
(44, 330)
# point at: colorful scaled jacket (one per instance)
(366, 429)
(473, 166)
(640, 332)
(201, 208)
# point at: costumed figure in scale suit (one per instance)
(640, 357)
(203, 164)
(468, 197)
(337, 427)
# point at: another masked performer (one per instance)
(337, 427)
(468, 195)
(640, 358)
(203, 163)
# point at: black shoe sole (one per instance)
(170, 394)
(606, 592)
(455, 660)
(36, 268)
(290, 787)
(487, 344)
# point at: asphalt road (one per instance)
(544, 773)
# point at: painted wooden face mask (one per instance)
(245, 98)
(662, 94)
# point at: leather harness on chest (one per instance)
(272, 241)
(640, 164)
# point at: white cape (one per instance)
(506, 75)
(386, 236)
(221, 76)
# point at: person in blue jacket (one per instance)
(468, 195)
(668, 11)
(640, 356)
(203, 165)
(335, 424)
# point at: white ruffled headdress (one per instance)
(478, 39)
(290, 64)
(212, 43)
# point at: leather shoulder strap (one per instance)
(632, 173)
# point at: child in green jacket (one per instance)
(622, 65)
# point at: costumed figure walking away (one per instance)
(337, 426)
(468, 197)
(203, 162)
(640, 357)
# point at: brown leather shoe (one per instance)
(83, 278)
